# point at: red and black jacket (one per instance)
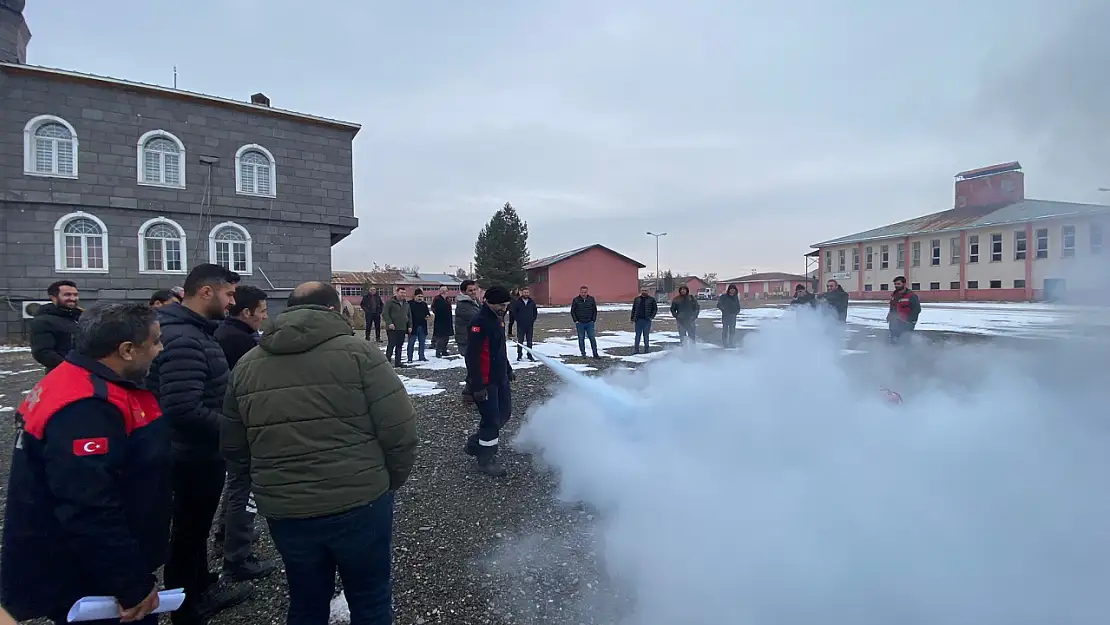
(905, 307)
(487, 362)
(89, 499)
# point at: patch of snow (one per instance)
(6, 409)
(11, 349)
(421, 388)
(549, 310)
(21, 371)
(848, 352)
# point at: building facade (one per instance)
(611, 276)
(994, 245)
(352, 285)
(122, 187)
(770, 285)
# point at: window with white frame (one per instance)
(161, 160)
(828, 261)
(884, 257)
(229, 246)
(935, 245)
(954, 250)
(996, 247)
(162, 247)
(1067, 248)
(50, 147)
(840, 259)
(855, 259)
(1021, 245)
(973, 248)
(868, 257)
(255, 171)
(81, 244)
(900, 262)
(915, 254)
(350, 290)
(1041, 236)
(1096, 238)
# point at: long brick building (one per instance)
(122, 186)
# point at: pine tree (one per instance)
(501, 250)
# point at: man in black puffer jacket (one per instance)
(54, 325)
(189, 379)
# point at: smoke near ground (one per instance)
(774, 485)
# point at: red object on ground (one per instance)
(891, 397)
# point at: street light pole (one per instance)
(652, 234)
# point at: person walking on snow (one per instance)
(372, 306)
(837, 299)
(523, 313)
(420, 313)
(644, 309)
(905, 307)
(397, 317)
(442, 329)
(488, 376)
(685, 309)
(583, 311)
(729, 305)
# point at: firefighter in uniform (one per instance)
(488, 375)
(905, 307)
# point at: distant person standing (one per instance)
(328, 434)
(88, 499)
(189, 379)
(837, 299)
(397, 317)
(235, 533)
(802, 297)
(372, 306)
(523, 312)
(161, 297)
(685, 310)
(583, 311)
(488, 376)
(466, 306)
(178, 293)
(729, 305)
(644, 309)
(55, 324)
(420, 313)
(442, 327)
(905, 307)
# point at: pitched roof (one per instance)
(972, 217)
(558, 258)
(770, 276)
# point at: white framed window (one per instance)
(884, 257)
(934, 245)
(161, 160)
(80, 244)
(915, 254)
(973, 249)
(901, 256)
(840, 257)
(996, 247)
(855, 259)
(868, 256)
(954, 250)
(1067, 235)
(1021, 244)
(162, 246)
(255, 171)
(1096, 238)
(828, 261)
(49, 148)
(350, 290)
(229, 245)
(1041, 235)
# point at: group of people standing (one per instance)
(904, 306)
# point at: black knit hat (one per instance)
(497, 295)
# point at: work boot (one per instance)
(217, 599)
(489, 465)
(597, 355)
(250, 568)
(583, 354)
(531, 358)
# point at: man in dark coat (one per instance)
(837, 299)
(523, 313)
(583, 312)
(442, 328)
(54, 325)
(189, 379)
(372, 306)
(685, 310)
(419, 311)
(466, 306)
(644, 309)
(236, 532)
(488, 374)
(729, 305)
(88, 500)
(803, 297)
(397, 317)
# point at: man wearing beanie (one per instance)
(488, 375)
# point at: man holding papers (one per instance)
(88, 504)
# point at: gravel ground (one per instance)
(467, 548)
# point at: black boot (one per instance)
(249, 569)
(217, 599)
(489, 465)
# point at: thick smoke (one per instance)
(775, 486)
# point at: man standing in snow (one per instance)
(729, 305)
(488, 376)
(905, 307)
(523, 313)
(644, 309)
(837, 299)
(397, 317)
(583, 311)
(685, 310)
(55, 324)
(442, 328)
(372, 305)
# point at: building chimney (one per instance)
(259, 98)
(14, 33)
(996, 185)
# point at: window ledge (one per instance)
(58, 270)
(179, 272)
(160, 185)
(261, 195)
(39, 174)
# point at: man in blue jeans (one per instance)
(325, 428)
(644, 309)
(583, 310)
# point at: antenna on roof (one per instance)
(175, 77)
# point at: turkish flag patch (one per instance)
(475, 328)
(90, 447)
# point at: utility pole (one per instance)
(652, 234)
(175, 77)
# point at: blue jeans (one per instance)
(358, 543)
(643, 328)
(419, 333)
(584, 330)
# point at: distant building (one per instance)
(611, 276)
(768, 285)
(693, 283)
(352, 284)
(994, 244)
(122, 187)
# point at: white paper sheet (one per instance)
(95, 608)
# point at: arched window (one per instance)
(50, 147)
(161, 160)
(255, 171)
(162, 247)
(229, 246)
(80, 244)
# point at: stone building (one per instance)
(122, 187)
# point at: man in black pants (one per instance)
(523, 313)
(488, 375)
(189, 379)
(397, 318)
(372, 310)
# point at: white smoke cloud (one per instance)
(775, 486)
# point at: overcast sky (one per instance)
(746, 130)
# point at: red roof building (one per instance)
(610, 276)
(764, 285)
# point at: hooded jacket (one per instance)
(236, 338)
(465, 309)
(685, 308)
(838, 301)
(52, 333)
(317, 417)
(729, 304)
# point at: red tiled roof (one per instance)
(558, 258)
(771, 276)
